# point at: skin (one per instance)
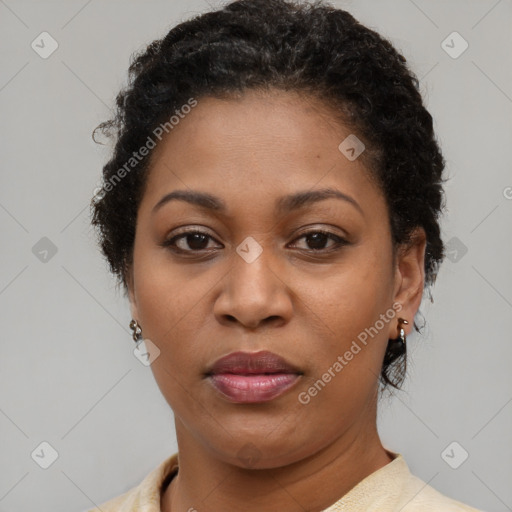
(305, 307)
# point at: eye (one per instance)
(318, 238)
(189, 242)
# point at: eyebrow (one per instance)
(284, 204)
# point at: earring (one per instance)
(397, 346)
(401, 331)
(137, 331)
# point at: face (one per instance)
(250, 270)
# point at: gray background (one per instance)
(67, 372)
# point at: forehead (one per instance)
(260, 145)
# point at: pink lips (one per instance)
(252, 377)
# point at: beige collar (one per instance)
(389, 489)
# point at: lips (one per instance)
(252, 377)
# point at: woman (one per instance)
(271, 209)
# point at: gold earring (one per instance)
(137, 331)
(397, 346)
(401, 331)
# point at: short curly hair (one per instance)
(312, 48)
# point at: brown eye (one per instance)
(317, 240)
(190, 241)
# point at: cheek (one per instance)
(168, 295)
(173, 319)
(353, 294)
(173, 315)
(345, 360)
(171, 307)
(343, 317)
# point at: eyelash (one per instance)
(339, 242)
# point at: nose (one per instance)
(254, 294)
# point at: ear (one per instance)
(130, 283)
(409, 279)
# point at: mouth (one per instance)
(252, 377)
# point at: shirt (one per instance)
(392, 488)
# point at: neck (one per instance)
(206, 483)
